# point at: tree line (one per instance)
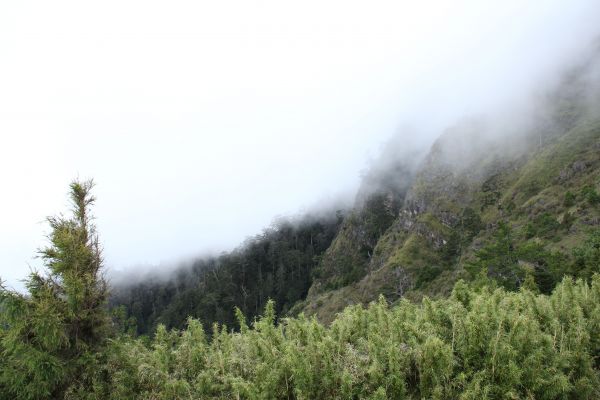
(277, 264)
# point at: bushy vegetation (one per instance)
(478, 344)
(590, 195)
(587, 257)
(509, 261)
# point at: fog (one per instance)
(200, 122)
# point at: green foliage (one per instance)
(587, 257)
(377, 217)
(498, 259)
(470, 224)
(346, 261)
(278, 264)
(452, 248)
(479, 343)
(590, 195)
(529, 283)
(569, 199)
(530, 230)
(544, 225)
(567, 221)
(427, 274)
(510, 263)
(545, 267)
(49, 334)
(490, 193)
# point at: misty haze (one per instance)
(326, 200)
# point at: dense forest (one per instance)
(470, 270)
(275, 265)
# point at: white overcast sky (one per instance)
(202, 120)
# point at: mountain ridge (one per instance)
(423, 219)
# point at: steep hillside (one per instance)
(531, 186)
(377, 203)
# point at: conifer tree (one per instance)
(49, 332)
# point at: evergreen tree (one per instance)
(51, 333)
(587, 257)
(499, 259)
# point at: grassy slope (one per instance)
(518, 192)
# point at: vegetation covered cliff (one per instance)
(511, 196)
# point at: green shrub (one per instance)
(479, 343)
(590, 195)
(544, 225)
(569, 200)
(587, 257)
(426, 274)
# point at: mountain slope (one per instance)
(537, 180)
(510, 197)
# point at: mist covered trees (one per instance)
(277, 264)
(50, 335)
